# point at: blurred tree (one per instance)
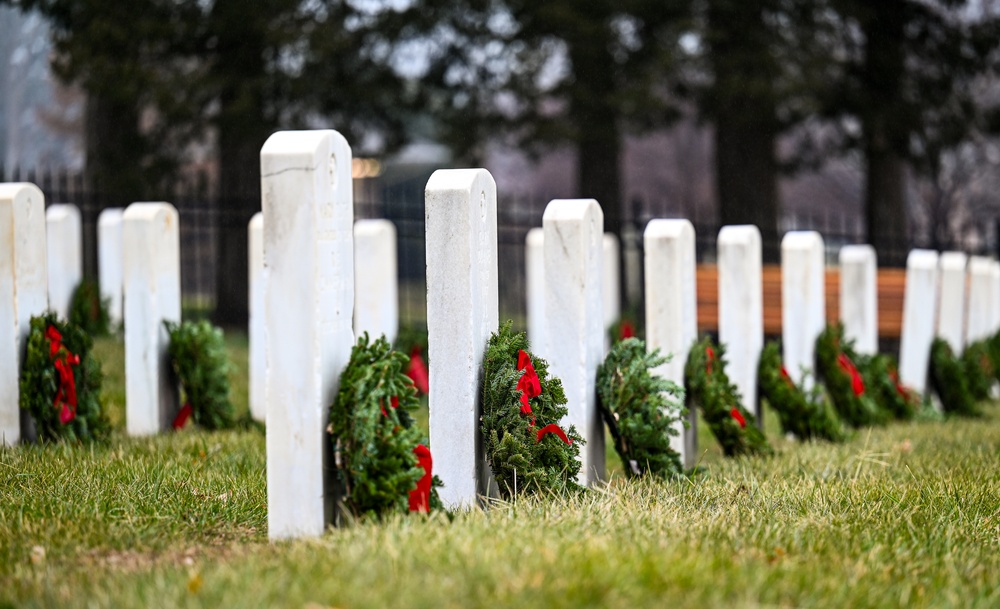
(907, 96)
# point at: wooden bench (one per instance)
(891, 284)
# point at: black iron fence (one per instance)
(401, 201)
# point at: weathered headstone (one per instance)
(255, 331)
(462, 313)
(612, 285)
(534, 262)
(151, 246)
(64, 255)
(376, 299)
(23, 293)
(983, 300)
(919, 314)
(741, 308)
(308, 306)
(574, 230)
(671, 311)
(951, 305)
(110, 261)
(859, 296)
(803, 302)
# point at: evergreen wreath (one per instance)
(948, 379)
(525, 447)
(709, 387)
(641, 409)
(881, 378)
(993, 352)
(88, 310)
(198, 356)
(381, 459)
(979, 370)
(60, 382)
(804, 416)
(844, 382)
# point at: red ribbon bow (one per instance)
(420, 497)
(183, 415)
(627, 331)
(553, 429)
(736, 414)
(788, 379)
(857, 385)
(709, 358)
(418, 371)
(65, 400)
(528, 384)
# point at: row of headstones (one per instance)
(307, 249)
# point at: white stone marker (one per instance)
(919, 313)
(64, 255)
(741, 308)
(982, 299)
(534, 262)
(803, 302)
(23, 292)
(308, 305)
(255, 331)
(462, 312)
(859, 296)
(574, 317)
(110, 261)
(612, 285)
(376, 296)
(951, 305)
(995, 291)
(671, 311)
(151, 246)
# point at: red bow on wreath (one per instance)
(709, 358)
(788, 379)
(736, 414)
(65, 400)
(857, 385)
(417, 371)
(420, 497)
(531, 387)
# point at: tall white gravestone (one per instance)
(534, 262)
(64, 255)
(308, 305)
(741, 308)
(859, 297)
(612, 285)
(803, 302)
(462, 313)
(110, 261)
(671, 311)
(376, 295)
(574, 230)
(995, 290)
(951, 304)
(23, 293)
(919, 314)
(983, 300)
(255, 331)
(151, 245)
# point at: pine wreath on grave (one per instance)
(881, 378)
(844, 383)
(198, 356)
(641, 409)
(382, 461)
(805, 416)
(525, 448)
(948, 379)
(978, 369)
(709, 387)
(993, 352)
(88, 310)
(60, 382)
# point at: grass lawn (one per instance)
(903, 515)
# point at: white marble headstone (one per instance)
(983, 300)
(574, 235)
(612, 285)
(951, 304)
(255, 331)
(859, 296)
(64, 255)
(110, 261)
(803, 302)
(534, 262)
(462, 313)
(308, 306)
(741, 308)
(151, 246)
(376, 292)
(671, 311)
(23, 293)
(919, 314)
